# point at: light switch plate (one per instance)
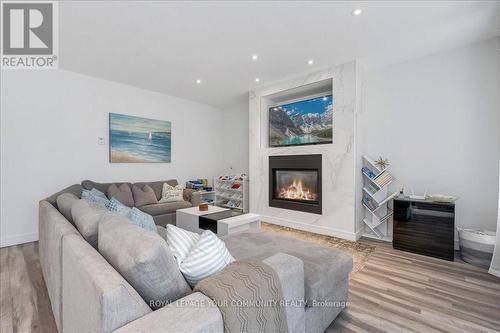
(101, 141)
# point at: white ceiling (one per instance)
(165, 46)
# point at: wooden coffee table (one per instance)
(221, 221)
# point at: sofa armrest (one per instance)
(195, 313)
(290, 271)
(192, 196)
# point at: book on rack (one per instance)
(368, 173)
(370, 203)
(383, 179)
(371, 188)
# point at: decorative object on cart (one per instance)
(376, 199)
(231, 191)
(424, 227)
(382, 163)
(418, 197)
(442, 198)
(139, 140)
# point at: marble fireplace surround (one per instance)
(338, 159)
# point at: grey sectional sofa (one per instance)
(163, 213)
(88, 294)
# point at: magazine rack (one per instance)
(376, 199)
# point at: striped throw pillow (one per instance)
(208, 256)
(180, 241)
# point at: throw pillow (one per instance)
(116, 206)
(143, 259)
(122, 193)
(98, 193)
(180, 241)
(64, 203)
(86, 217)
(171, 193)
(208, 256)
(95, 197)
(141, 219)
(143, 195)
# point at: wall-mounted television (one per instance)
(302, 122)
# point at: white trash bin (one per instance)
(476, 246)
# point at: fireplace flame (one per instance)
(297, 191)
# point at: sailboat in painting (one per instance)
(150, 136)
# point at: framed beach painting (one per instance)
(139, 140)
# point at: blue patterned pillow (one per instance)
(116, 206)
(141, 219)
(98, 193)
(95, 197)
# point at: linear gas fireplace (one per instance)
(295, 182)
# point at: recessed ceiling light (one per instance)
(310, 62)
(257, 80)
(356, 12)
(255, 57)
(198, 81)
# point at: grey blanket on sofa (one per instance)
(249, 296)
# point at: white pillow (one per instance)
(171, 193)
(208, 256)
(180, 241)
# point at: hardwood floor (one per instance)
(25, 304)
(395, 292)
(403, 292)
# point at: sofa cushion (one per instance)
(164, 208)
(143, 195)
(64, 203)
(143, 259)
(76, 189)
(86, 218)
(324, 268)
(122, 193)
(89, 184)
(158, 186)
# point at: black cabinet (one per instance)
(424, 227)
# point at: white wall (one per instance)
(436, 119)
(50, 122)
(235, 141)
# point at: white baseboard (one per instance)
(495, 272)
(18, 239)
(359, 233)
(311, 228)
